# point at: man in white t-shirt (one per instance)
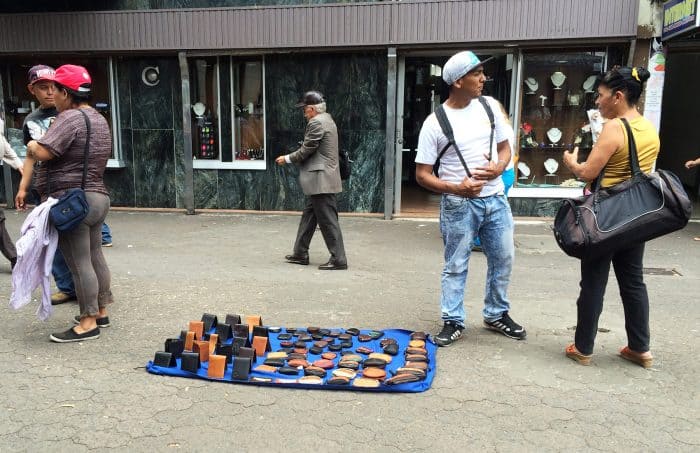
(473, 204)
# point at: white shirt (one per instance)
(472, 131)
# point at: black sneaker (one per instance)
(70, 336)
(507, 327)
(450, 333)
(101, 322)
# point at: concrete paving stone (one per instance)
(490, 393)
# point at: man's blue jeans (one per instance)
(461, 220)
(60, 271)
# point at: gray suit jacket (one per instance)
(318, 157)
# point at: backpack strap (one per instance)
(489, 113)
(447, 130)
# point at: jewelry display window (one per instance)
(228, 108)
(557, 92)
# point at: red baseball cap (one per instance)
(73, 77)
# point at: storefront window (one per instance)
(557, 93)
(19, 102)
(228, 113)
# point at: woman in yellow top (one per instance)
(618, 93)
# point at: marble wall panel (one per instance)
(120, 181)
(152, 106)
(206, 189)
(179, 168)
(534, 207)
(154, 167)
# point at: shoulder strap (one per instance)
(489, 113)
(633, 157)
(85, 155)
(447, 130)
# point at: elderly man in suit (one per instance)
(319, 177)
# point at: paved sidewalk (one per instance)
(490, 393)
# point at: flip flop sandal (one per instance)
(573, 353)
(627, 354)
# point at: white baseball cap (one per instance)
(459, 64)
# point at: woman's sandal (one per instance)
(635, 357)
(574, 354)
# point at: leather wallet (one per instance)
(378, 363)
(241, 331)
(300, 344)
(323, 363)
(379, 355)
(391, 349)
(364, 338)
(232, 320)
(198, 328)
(224, 331)
(260, 331)
(209, 321)
(175, 346)
(284, 336)
(345, 372)
(296, 355)
(365, 382)
(217, 366)
(304, 337)
(277, 355)
(321, 344)
(329, 355)
(364, 350)
(315, 380)
(241, 368)
(387, 341)
(353, 331)
(350, 364)
(344, 337)
(315, 371)
(286, 344)
(416, 344)
(265, 369)
(239, 343)
(225, 350)
(338, 380)
(298, 363)
(334, 333)
(416, 371)
(374, 373)
(335, 347)
(418, 336)
(274, 362)
(274, 329)
(324, 332)
(246, 353)
(260, 345)
(375, 334)
(316, 336)
(252, 321)
(315, 350)
(286, 350)
(419, 365)
(313, 329)
(416, 358)
(164, 359)
(402, 379)
(202, 347)
(288, 370)
(421, 351)
(189, 362)
(290, 329)
(346, 344)
(213, 342)
(351, 356)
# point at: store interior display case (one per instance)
(557, 92)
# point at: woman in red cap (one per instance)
(62, 148)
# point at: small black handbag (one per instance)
(644, 207)
(72, 207)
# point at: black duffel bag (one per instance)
(644, 207)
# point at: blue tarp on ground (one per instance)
(401, 336)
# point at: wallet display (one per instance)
(391, 360)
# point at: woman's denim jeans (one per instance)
(461, 220)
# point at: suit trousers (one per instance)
(7, 247)
(628, 267)
(321, 210)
